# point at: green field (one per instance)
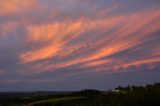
(55, 101)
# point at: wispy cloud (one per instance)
(45, 36)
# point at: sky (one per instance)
(68, 45)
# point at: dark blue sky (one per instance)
(78, 44)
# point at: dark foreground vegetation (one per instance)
(121, 96)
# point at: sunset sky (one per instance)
(78, 44)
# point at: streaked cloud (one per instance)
(71, 37)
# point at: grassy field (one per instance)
(55, 101)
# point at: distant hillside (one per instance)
(121, 96)
(4, 95)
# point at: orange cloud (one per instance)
(13, 6)
(64, 40)
(44, 53)
(145, 61)
(56, 31)
(98, 63)
(137, 63)
(57, 35)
